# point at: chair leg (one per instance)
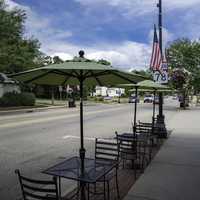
(95, 187)
(134, 168)
(108, 190)
(104, 188)
(88, 186)
(117, 186)
(142, 165)
(59, 182)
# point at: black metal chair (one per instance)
(38, 189)
(146, 131)
(127, 149)
(132, 148)
(155, 130)
(107, 151)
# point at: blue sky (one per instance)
(117, 30)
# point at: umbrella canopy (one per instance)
(72, 72)
(145, 85)
(78, 72)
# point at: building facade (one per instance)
(108, 92)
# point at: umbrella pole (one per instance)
(154, 107)
(82, 150)
(135, 111)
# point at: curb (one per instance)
(28, 110)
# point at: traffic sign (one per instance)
(160, 77)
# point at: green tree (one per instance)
(185, 54)
(104, 62)
(16, 52)
(146, 73)
(57, 60)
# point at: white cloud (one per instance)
(63, 56)
(115, 57)
(181, 3)
(125, 55)
(167, 36)
(138, 3)
(38, 26)
(11, 4)
(138, 7)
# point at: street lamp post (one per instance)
(160, 116)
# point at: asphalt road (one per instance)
(35, 141)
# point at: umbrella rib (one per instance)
(37, 77)
(88, 72)
(76, 74)
(125, 78)
(98, 81)
(66, 79)
(22, 73)
(99, 74)
(65, 73)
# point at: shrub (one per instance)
(17, 99)
(27, 99)
(99, 98)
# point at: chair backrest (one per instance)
(127, 145)
(144, 129)
(106, 150)
(38, 189)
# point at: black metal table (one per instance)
(71, 169)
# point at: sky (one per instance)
(120, 31)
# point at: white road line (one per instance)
(76, 137)
(48, 119)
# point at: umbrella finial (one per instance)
(81, 53)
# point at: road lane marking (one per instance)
(48, 119)
(76, 137)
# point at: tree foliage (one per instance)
(185, 54)
(57, 60)
(16, 52)
(104, 62)
(145, 73)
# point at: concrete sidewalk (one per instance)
(174, 174)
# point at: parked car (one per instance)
(148, 98)
(132, 99)
(174, 97)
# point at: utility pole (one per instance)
(160, 116)
(159, 5)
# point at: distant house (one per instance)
(8, 85)
(111, 92)
(115, 92)
(100, 91)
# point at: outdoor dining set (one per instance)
(126, 150)
(135, 147)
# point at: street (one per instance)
(35, 141)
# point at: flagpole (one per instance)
(159, 5)
(160, 116)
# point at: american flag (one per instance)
(156, 57)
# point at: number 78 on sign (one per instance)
(161, 77)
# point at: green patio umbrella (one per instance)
(78, 72)
(144, 85)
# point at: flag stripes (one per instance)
(156, 57)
